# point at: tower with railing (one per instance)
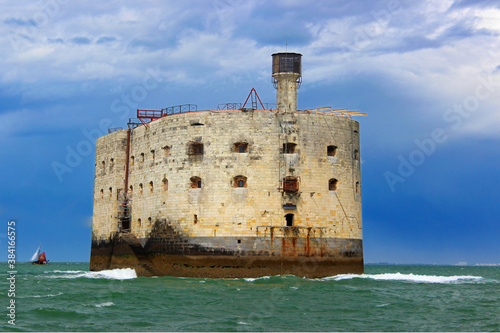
(287, 77)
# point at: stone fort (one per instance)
(236, 192)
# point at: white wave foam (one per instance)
(104, 304)
(382, 305)
(253, 279)
(49, 295)
(113, 274)
(408, 278)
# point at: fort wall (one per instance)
(216, 185)
(161, 171)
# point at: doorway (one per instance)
(289, 220)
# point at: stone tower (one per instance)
(287, 76)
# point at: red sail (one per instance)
(41, 257)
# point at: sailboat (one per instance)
(39, 258)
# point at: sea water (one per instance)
(67, 297)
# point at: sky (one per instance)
(427, 73)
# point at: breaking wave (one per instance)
(254, 279)
(113, 274)
(408, 278)
(104, 304)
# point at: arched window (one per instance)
(195, 148)
(103, 166)
(111, 164)
(102, 193)
(289, 148)
(153, 154)
(151, 186)
(165, 184)
(110, 192)
(356, 154)
(131, 189)
(332, 184)
(195, 182)
(331, 150)
(140, 188)
(139, 222)
(357, 187)
(132, 160)
(142, 157)
(240, 181)
(241, 147)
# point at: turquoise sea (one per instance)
(67, 297)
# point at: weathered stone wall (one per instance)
(217, 208)
(108, 181)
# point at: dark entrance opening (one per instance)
(289, 220)
(126, 224)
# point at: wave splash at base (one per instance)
(112, 274)
(408, 278)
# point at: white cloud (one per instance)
(431, 49)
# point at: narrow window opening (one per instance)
(110, 192)
(331, 150)
(151, 188)
(140, 188)
(356, 154)
(111, 164)
(195, 218)
(332, 184)
(103, 165)
(290, 184)
(289, 148)
(197, 124)
(240, 181)
(289, 220)
(102, 193)
(165, 184)
(195, 148)
(239, 241)
(166, 151)
(195, 182)
(132, 160)
(241, 147)
(149, 221)
(357, 187)
(131, 189)
(142, 157)
(139, 222)
(153, 154)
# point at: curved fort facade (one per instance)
(232, 193)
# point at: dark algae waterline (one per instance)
(67, 297)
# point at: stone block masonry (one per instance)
(231, 193)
